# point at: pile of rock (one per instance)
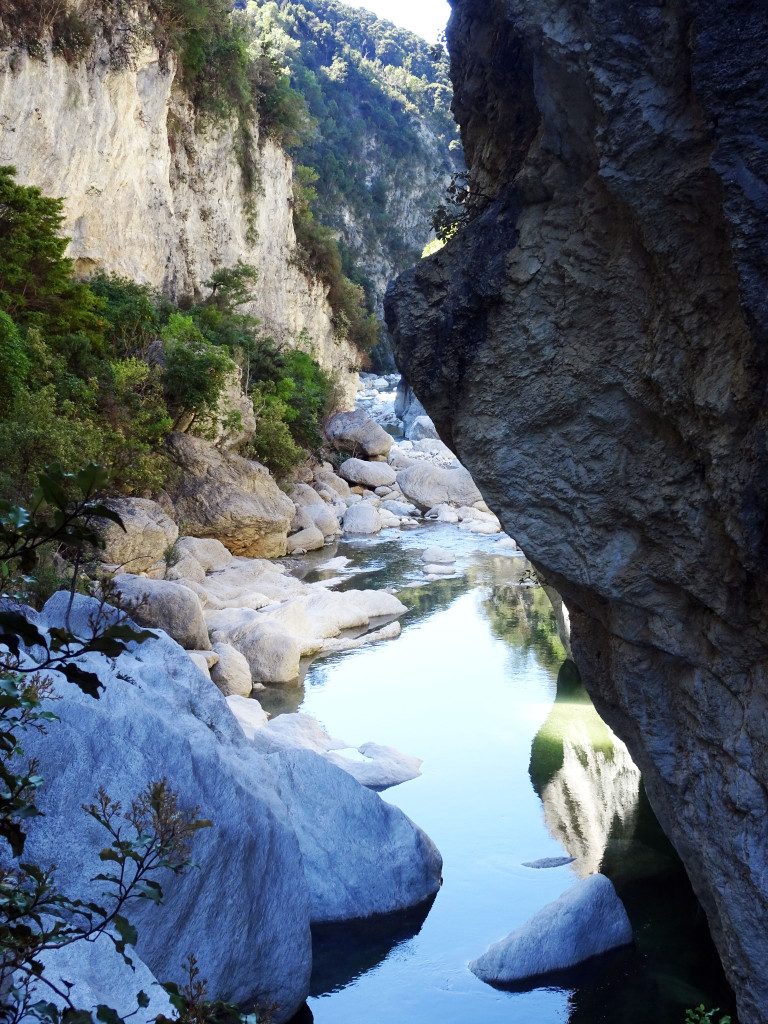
(294, 839)
(244, 621)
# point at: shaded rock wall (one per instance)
(592, 345)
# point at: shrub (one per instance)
(14, 364)
(195, 370)
(273, 443)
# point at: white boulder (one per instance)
(231, 672)
(422, 429)
(162, 604)
(148, 535)
(428, 486)
(368, 474)
(587, 920)
(357, 433)
(361, 855)
(362, 518)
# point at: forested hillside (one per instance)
(382, 140)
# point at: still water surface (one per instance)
(517, 767)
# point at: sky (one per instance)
(426, 17)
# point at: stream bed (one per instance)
(517, 767)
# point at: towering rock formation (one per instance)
(593, 345)
(153, 191)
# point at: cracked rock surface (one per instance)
(592, 344)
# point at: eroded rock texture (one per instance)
(593, 345)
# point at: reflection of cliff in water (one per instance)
(584, 775)
(595, 805)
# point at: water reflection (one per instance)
(584, 775)
(518, 768)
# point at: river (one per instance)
(517, 767)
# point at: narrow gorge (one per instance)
(382, 537)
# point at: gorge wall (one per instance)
(153, 191)
(593, 345)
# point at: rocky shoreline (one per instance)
(213, 566)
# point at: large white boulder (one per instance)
(159, 718)
(428, 486)
(234, 500)
(293, 839)
(148, 536)
(272, 653)
(357, 433)
(308, 539)
(422, 429)
(362, 518)
(231, 672)
(163, 604)
(373, 765)
(326, 477)
(368, 474)
(587, 920)
(360, 853)
(100, 976)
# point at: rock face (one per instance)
(592, 345)
(586, 921)
(293, 839)
(161, 198)
(147, 536)
(229, 498)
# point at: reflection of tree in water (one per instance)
(595, 805)
(525, 618)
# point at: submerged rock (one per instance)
(586, 921)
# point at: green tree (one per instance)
(195, 370)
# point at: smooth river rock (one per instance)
(587, 920)
(234, 500)
(357, 433)
(368, 474)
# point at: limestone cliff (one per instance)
(592, 343)
(155, 193)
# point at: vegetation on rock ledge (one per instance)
(104, 371)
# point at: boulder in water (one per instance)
(587, 920)
(368, 474)
(427, 486)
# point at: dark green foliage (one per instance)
(37, 289)
(321, 256)
(103, 372)
(370, 89)
(195, 370)
(14, 362)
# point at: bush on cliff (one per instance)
(104, 371)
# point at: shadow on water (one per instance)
(342, 953)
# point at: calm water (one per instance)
(517, 767)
